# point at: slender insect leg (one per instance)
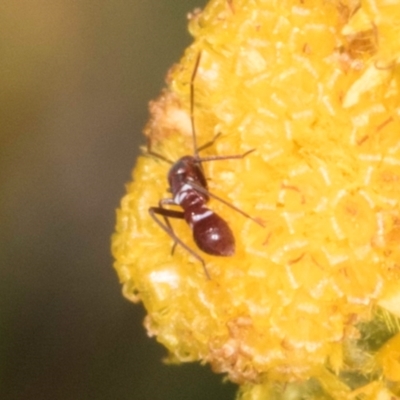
(210, 143)
(154, 211)
(154, 154)
(161, 204)
(230, 157)
(206, 192)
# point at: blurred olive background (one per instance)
(75, 80)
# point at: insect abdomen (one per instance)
(211, 233)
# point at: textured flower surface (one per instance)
(308, 306)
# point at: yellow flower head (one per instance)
(308, 304)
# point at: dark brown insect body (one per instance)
(210, 232)
(188, 186)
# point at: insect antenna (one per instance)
(192, 78)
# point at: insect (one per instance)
(188, 186)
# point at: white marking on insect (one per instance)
(181, 195)
(199, 217)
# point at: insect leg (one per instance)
(210, 143)
(155, 211)
(231, 157)
(161, 204)
(154, 154)
(206, 192)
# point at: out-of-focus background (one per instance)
(75, 80)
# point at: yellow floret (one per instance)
(308, 306)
